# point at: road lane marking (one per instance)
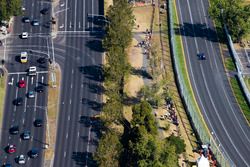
(39, 72)
(4, 54)
(32, 80)
(66, 14)
(42, 78)
(70, 101)
(89, 133)
(62, 5)
(23, 121)
(83, 8)
(72, 71)
(75, 15)
(71, 86)
(78, 133)
(70, 24)
(36, 95)
(79, 25)
(64, 154)
(16, 92)
(67, 135)
(69, 118)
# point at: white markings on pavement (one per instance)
(70, 101)
(39, 72)
(89, 133)
(67, 135)
(66, 15)
(4, 49)
(61, 26)
(75, 15)
(79, 24)
(78, 133)
(42, 78)
(70, 24)
(22, 78)
(72, 71)
(23, 121)
(64, 154)
(12, 80)
(16, 92)
(69, 118)
(82, 86)
(32, 79)
(32, 4)
(71, 86)
(62, 5)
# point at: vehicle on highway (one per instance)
(41, 60)
(21, 159)
(24, 57)
(7, 165)
(11, 149)
(26, 19)
(38, 122)
(24, 35)
(31, 94)
(201, 56)
(33, 153)
(35, 22)
(32, 70)
(44, 11)
(18, 101)
(21, 84)
(14, 130)
(39, 89)
(26, 135)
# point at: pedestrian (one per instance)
(138, 26)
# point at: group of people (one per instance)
(146, 43)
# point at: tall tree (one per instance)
(3, 10)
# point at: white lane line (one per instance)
(25, 101)
(71, 86)
(75, 15)
(83, 8)
(67, 135)
(72, 71)
(32, 80)
(66, 14)
(70, 24)
(93, 12)
(36, 94)
(22, 78)
(79, 24)
(4, 51)
(64, 154)
(47, 43)
(16, 92)
(81, 85)
(70, 101)
(89, 133)
(69, 118)
(78, 133)
(23, 121)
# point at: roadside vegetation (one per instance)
(9, 8)
(125, 142)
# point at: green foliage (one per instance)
(142, 115)
(108, 156)
(177, 142)
(234, 14)
(9, 8)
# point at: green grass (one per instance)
(2, 95)
(247, 82)
(240, 98)
(229, 64)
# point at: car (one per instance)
(31, 94)
(21, 159)
(11, 149)
(32, 70)
(35, 22)
(21, 84)
(14, 130)
(24, 57)
(33, 153)
(24, 35)
(38, 122)
(26, 19)
(7, 165)
(26, 135)
(41, 60)
(44, 11)
(201, 56)
(39, 89)
(18, 101)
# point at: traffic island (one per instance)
(52, 112)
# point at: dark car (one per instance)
(26, 135)
(26, 19)
(38, 122)
(39, 89)
(33, 153)
(14, 130)
(18, 101)
(201, 56)
(45, 11)
(41, 60)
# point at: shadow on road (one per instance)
(196, 30)
(95, 45)
(93, 72)
(84, 159)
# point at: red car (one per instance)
(21, 84)
(11, 149)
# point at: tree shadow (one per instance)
(95, 45)
(141, 72)
(95, 105)
(196, 30)
(83, 159)
(91, 141)
(127, 100)
(93, 72)
(97, 89)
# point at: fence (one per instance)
(238, 65)
(188, 99)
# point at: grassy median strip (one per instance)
(53, 97)
(2, 95)
(238, 93)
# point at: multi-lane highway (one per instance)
(78, 52)
(209, 81)
(23, 116)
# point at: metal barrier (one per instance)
(238, 65)
(188, 98)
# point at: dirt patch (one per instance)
(143, 16)
(107, 3)
(53, 98)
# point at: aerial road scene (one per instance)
(117, 83)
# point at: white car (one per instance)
(24, 57)
(21, 159)
(32, 70)
(24, 35)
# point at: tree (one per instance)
(177, 142)
(3, 10)
(233, 14)
(108, 150)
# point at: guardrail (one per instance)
(197, 119)
(238, 65)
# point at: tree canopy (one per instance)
(9, 8)
(234, 14)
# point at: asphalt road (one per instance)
(79, 55)
(209, 81)
(23, 116)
